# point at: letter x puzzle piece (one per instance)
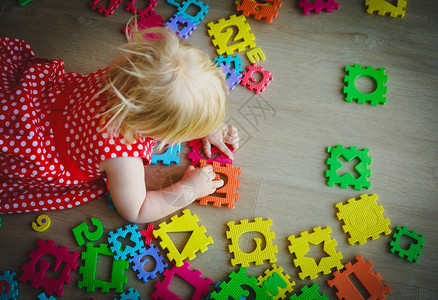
(251, 83)
(222, 31)
(232, 78)
(266, 11)
(194, 278)
(8, 285)
(88, 271)
(318, 5)
(196, 154)
(38, 278)
(362, 271)
(300, 246)
(414, 251)
(259, 254)
(106, 11)
(234, 61)
(198, 241)
(181, 25)
(234, 288)
(311, 293)
(363, 219)
(228, 189)
(130, 7)
(168, 157)
(276, 282)
(348, 179)
(116, 247)
(383, 7)
(352, 93)
(141, 260)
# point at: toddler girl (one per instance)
(63, 134)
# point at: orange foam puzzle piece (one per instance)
(266, 11)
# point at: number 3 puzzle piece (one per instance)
(222, 31)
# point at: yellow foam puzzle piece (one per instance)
(258, 255)
(198, 241)
(383, 7)
(363, 219)
(308, 265)
(256, 54)
(271, 281)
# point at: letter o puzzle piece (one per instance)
(266, 11)
(42, 223)
(414, 251)
(251, 83)
(383, 7)
(130, 7)
(8, 285)
(276, 282)
(139, 264)
(318, 5)
(38, 278)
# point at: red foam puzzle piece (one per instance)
(148, 234)
(113, 4)
(249, 81)
(130, 7)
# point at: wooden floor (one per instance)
(285, 133)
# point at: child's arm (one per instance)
(126, 182)
(225, 134)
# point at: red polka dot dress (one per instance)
(51, 144)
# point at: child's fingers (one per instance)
(233, 141)
(218, 183)
(232, 131)
(207, 148)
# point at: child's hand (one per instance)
(200, 181)
(225, 134)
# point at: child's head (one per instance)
(164, 89)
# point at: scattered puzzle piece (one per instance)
(414, 251)
(363, 219)
(348, 179)
(233, 61)
(311, 293)
(140, 260)
(131, 294)
(42, 223)
(232, 77)
(318, 5)
(83, 228)
(300, 246)
(130, 7)
(196, 154)
(352, 93)
(144, 22)
(128, 250)
(198, 241)
(228, 190)
(88, 271)
(38, 278)
(362, 271)
(176, 3)
(182, 26)
(255, 55)
(383, 7)
(222, 31)
(148, 234)
(8, 285)
(168, 157)
(194, 278)
(267, 11)
(43, 296)
(259, 254)
(276, 282)
(249, 81)
(113, 4)
(196, 19)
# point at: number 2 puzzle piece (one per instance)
(276, 282)
(363, 219)
(259, 254)
(38, 278)
(300, 247)
(383, 7)
(266, 11)
(228, 190)
(8, 285)
(251, 83)
(414, 251)
(196, 154)
(362, 271)
(318, 5)
(168, 157)
(198, 241)
(222, 31)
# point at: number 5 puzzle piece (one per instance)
(229, 189)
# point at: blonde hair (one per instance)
(164, 89)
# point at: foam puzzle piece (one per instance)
(168, 157)
(88, 271)
(300, 246)
(276, 282)
(196, 154)
(194, 278)
(251, 83)
(176, 3)
(42, 223)
(144, 22)
(255, 55)
(234, 288)
(228, 190)
(111, 204)
(348, 179)
(38, 278)
(116, 247)
(233, 61)
(140, 261)
(383, 7)
(362, 271)
(363, 219)
(130, 7)
(232, 77)
(106, 11)
(414, 251)
(311, 293)
(131, 294)
(43, 296)
(8, 285)
(267, 11)
(352, 93)
(222, 31)
(198, 241)
(318, 5)
(148, 234)
(196, 19)
(259, 254)
(176, 21)
(83, 228)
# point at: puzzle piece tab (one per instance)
(383, 7)
(267, 11)
(414, 251)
